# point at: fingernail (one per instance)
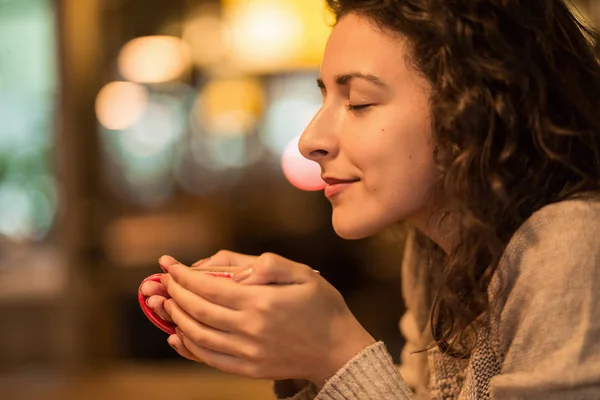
(241, 275)
(147, 302)
(173, 347)
(200, 262)
(166, 261)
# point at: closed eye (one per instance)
(358, 107)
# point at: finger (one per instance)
(225, 258)
(217, 268)
(204, 311)
(165, 261)
(156, 303)
(217, 290)
(223, 362)
(201, 334)
(270, 268)
(176, 343)
(152, 288)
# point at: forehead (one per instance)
(357, 44)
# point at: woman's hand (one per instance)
(223, 258)
(297, 326)
(156, 292)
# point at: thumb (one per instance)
(271, 269)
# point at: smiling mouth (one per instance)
(335, 181)
(336, 186)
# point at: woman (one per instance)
(476, 121)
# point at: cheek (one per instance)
(398, 157)
(393, 145)
(398, 168)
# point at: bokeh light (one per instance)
(272, 35)
(299, 171)
(229, 107)
(293, 102)
(120, 105)
(207, 36)
(285, 119)
(154, 59)
(265, 32)
(26, 208)
(142, 155)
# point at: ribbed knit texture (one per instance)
(541, 339)
(371, 374)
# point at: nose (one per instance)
(318, 141)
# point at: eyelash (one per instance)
(358, 107)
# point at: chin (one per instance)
(353, 229)
(349, 234)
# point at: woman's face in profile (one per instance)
(372, 135)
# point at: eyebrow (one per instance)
(344, 79)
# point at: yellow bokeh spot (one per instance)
(230, 106)
(268, 35)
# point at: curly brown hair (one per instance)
(515, 107)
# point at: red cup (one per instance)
(156, 319)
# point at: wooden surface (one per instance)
(156, 382)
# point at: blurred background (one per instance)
(135, 128)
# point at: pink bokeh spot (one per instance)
(300, 172)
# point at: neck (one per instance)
(442, 231)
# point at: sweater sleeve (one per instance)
(548, 320)
(370, 375)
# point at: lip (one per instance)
(335, 186)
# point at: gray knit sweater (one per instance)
(541, 339)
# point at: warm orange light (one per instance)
(154, 59)
(119, 105)
(269, 35)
